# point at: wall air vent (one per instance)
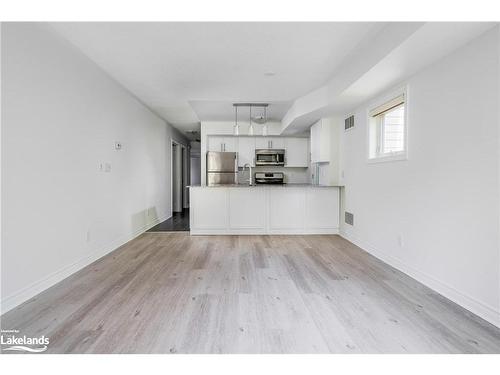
(349, 123)
(349, 218)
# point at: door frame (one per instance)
(183, 166)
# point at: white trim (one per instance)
(251, 232)
(388, 104)
(30, 291)
(390, 157)
(181, 144)
(380, 101)
(486, 312)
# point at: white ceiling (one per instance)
(191, 72)
(210, 110)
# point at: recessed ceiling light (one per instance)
(269, 74)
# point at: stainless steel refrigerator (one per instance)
(222, 168)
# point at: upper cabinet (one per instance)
(297, 152)
(246, 151)
(320, 141)
(222, 144)
(296, 149)
(326, 140)
(269, 142)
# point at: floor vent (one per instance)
(349, 218)
(349, 123)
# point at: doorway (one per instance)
(179, 221)
(178, 166)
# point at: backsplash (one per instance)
(292, 175)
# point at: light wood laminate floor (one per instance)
(175, 293)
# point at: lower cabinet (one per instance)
(247, 208)
(264, 210)
(322, 209)
(286, 208)
(210, 209)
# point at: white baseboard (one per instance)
(468, 302)
(251, 231)
(17, 298)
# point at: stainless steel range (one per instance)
(270, 178)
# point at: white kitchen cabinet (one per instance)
(211, 209)
(262, 142)
(264, 210)
(322, 208)
(246, 209)
(215, 143)
(269, 142)
(278, 143)
(230, 144)
(227, 144)
(286, 208)
(320, 141)
(297, 152)
(326, 141)
(246, 151)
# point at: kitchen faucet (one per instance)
(249, 173)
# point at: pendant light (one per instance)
(250, 127)
(236, 129)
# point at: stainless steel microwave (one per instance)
(270, 157)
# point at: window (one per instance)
(387, 130)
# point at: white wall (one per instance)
(444, 200)
(60, 117)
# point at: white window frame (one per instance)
(395, 156)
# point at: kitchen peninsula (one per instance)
(264, 209)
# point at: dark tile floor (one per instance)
(179, 222)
